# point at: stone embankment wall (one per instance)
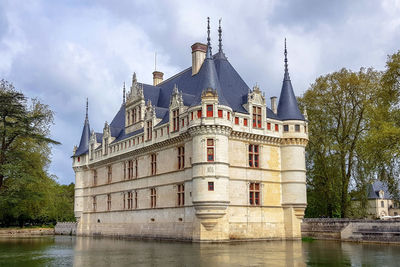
(352, 230)
(26, 231)
(65, 228)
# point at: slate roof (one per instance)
(217, 73)
(374, 188)
(84, 143)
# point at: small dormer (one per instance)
(135, 105)
(176, 108)
(257, 108)
(150, 121)
(107, 139)
(381, 194)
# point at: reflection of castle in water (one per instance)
(198, 156)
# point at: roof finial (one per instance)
(123, 94)
(220, 36)
(286, 63)
(87, 109)
(209, 53)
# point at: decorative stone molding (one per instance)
(210, 129)
(136, 92)
(210, 209)
(245, 136)
(294, 141)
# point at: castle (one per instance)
(196, 157)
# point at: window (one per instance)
(162, 131)
(191, 115)
(210, 186)
(136, 200)
(130, 169)
(153, 164)
(130, 200)
(91, 151)
(136, 168)
(236, 120)
(269, 126)
(199, 114)
(94, 203)
(219, 113)
(149, 130)
(210, 111)
(109, 202)
(94, 177)
(254, 194)
(181, 194)
(124, 168)
(109, 174)
(124, 200)
(286, 128)
(183, 122)
(140, 114)
(253, 156)
(210, 149)
(155, 133)
(229, 116)
(181, 157)
(175, 119)
(382, 204)
(256, 117)
(129, 117)
(79, 159)
(168, 129)
(245, 122)
(297, 128)
(276, 127)
(153, 197)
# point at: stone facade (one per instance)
(201, 172)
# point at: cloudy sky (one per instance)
(65, 51)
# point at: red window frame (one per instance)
(245, 122)
(199, 114)
(269, 126)
(191, 115)
(257, 117)
(219, 113)
(210, 111)
(149, 130)
(229, 116)
(210, 186)
(254, 196)
(210, 150)
(276, 127)
(254, 156)
(175, 120)
(236, 120)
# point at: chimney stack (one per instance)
(198, 55)
(274, 107)
(157, 77)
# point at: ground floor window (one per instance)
(254, 194)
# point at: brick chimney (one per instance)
(157, 77)
(198, 55)
(274, 106)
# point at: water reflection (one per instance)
(85, 251)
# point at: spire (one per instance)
(220, 37)
(123, 94)
(87, 110)
(287, 107)
(84, 143)
(286, 64)
(209, 53)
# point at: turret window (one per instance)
(181, 157)
(210, 149)
(210, 111)
(181, 194)
(245, 122)
(210, 186)
(254, 197)
(153, 198)
(286, 128)
(153, 164)
(269, 126)
(256, 117)
(297, 128)
(199, 114)
(254, 156)
(276, 127)
(237, 120)
(219, 113)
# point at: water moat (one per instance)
(87, 251)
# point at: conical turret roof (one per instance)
(85, 137)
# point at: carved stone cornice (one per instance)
(210, 129)
(244, 136)
(294, 141)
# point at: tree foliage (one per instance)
(354, 137)
(27, 193)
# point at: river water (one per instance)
(86, 251)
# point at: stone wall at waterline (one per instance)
(65, 228)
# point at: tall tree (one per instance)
(20, 122)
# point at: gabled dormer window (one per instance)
(175, 119)
(256, 117)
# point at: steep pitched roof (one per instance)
(84, 143)
(375, 188)
(288, 108)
